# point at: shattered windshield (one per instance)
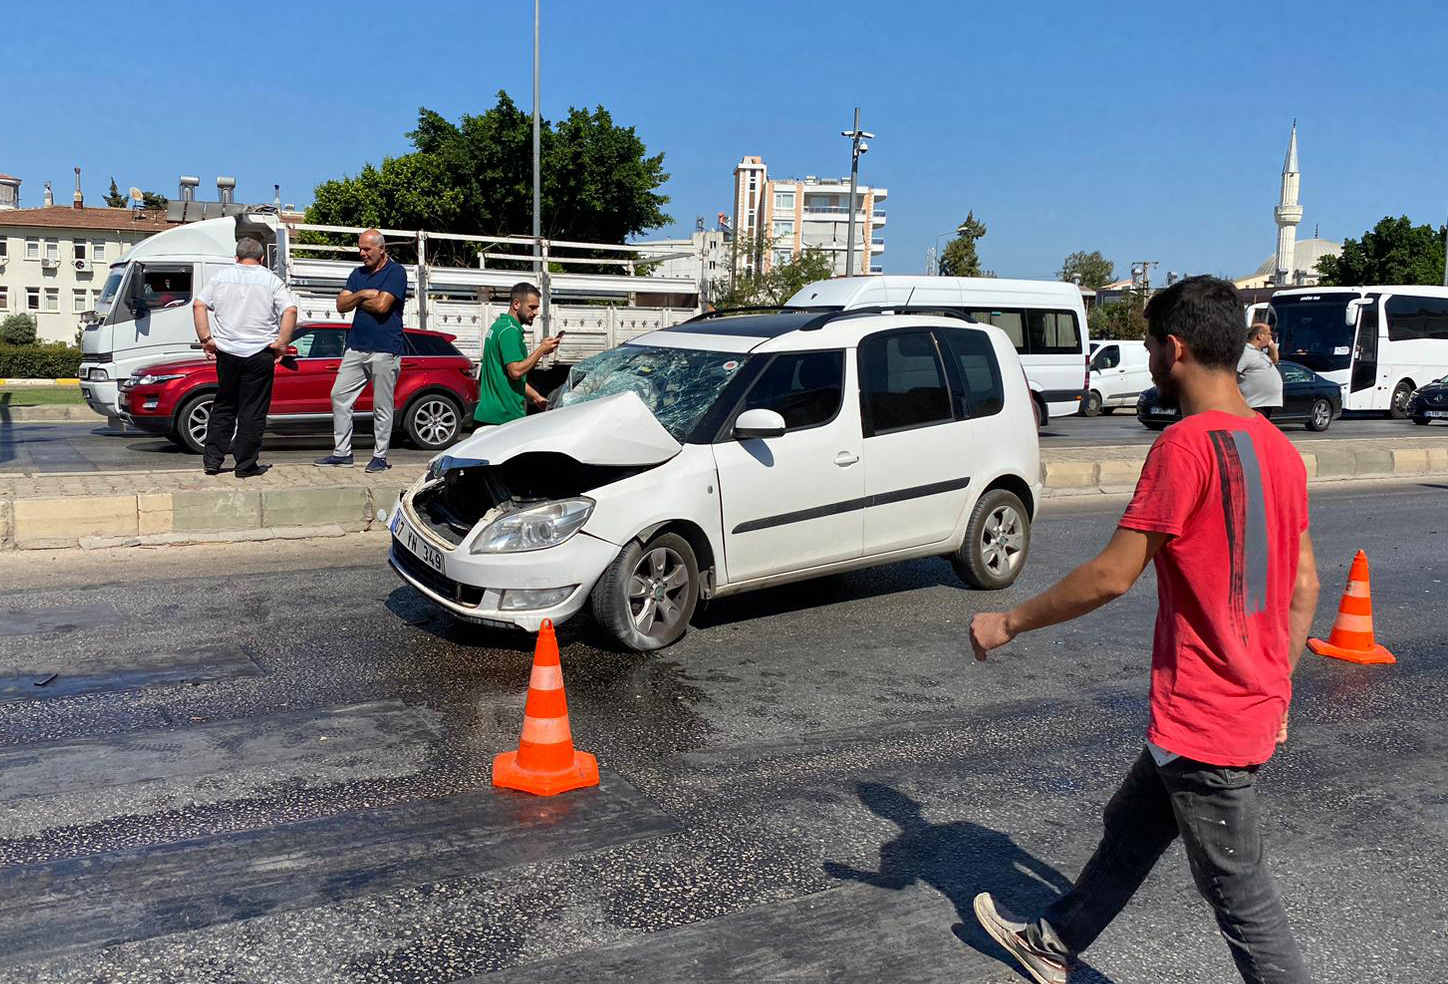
(677, 385)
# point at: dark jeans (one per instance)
(1214, 810)
(242, 399)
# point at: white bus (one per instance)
(1045, 321)
(1378, 343)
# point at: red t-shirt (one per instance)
(1233, 495)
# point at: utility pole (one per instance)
(1141, 274)
(1445, 260)
(539, 274)
(857, 147)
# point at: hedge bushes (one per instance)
(39, 361)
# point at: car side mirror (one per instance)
(758, 422)
(290, 352)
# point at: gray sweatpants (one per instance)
(357, 369)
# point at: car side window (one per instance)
(429, 345)
(326, 343)
(980, 372)
(805, 388)
(1294, 374)
(902, 382)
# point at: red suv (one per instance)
(435, 396)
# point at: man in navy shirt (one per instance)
(375, 293)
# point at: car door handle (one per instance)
(844, 459)
(331, 366)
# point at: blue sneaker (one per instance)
(376, 465)
(335, 461)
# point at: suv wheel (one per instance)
(433, 421)
(997, 539)
(648, 594)
(191, 422)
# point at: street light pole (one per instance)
(857, 147)
(537, 181)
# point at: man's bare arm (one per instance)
(1104, 578)
(1304, 598)
(350, 299)
(201, 319)
(379, 303)
(517, 370)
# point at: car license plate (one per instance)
(414, 543)
(1438, 413)
(1161, 410)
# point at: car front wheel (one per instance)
(1319, 418)
(1093, 404)
(997, 540)
(191, 422)
(648, 594)
(433, 421)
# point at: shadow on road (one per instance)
(831, 589)
(960, 859)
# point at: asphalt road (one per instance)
(81, 447)
(259, 764)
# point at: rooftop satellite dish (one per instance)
(135, 193)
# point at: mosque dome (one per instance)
(1304, 258)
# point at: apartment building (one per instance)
(810, 212)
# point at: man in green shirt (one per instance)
(503, 382)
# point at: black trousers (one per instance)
(242, 400)
(1213, 809)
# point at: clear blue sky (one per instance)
(1148, 132)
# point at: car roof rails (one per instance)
(751, 309)
(816, 324)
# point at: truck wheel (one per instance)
(191, 422)
(648, 594)
(433, 421)
(997, 540)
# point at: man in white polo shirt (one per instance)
(252, 317)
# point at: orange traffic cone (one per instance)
(545, 762)
(1352, 633)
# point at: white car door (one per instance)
(917, 450)
(794, 502)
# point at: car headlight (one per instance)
(147, 379)
(534, 528)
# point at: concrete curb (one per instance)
(54, 414)
(219, 515)
(34, 383)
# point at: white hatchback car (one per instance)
(729, 453)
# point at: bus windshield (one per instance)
(1311, 330)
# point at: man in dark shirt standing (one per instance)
(1221, 509)
(375, 293)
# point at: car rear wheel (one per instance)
(997, 540)
(433, 421)
(1093, 404)
(191, 422)
(648, 594)
(1402, 393)
(1319, 418)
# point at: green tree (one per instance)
(959, 258)
(153, 199)
(18, 329)
(779, 283)
(1124, 319)
(1392, 252)
(1090, 270)
(599, 183)
(114, 198)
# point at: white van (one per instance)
(1045, 321)
(1119, 373)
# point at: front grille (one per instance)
(437, 583)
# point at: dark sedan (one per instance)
(1430, 403)
(1307, 398)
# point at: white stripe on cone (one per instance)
(546, 731)
(546, 678)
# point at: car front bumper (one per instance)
(472, 586)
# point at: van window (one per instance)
(902, 382)
(1012, 322)
(980, 373)
(1053, 333)
(805, 388)
(1106, 357)
(1417, 317)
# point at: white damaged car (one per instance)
(730, 453)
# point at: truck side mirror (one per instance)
(136, 287)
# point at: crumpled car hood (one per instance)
(614, 430)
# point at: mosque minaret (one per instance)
(1288, 213)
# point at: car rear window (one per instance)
(430, 345)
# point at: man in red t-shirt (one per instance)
(1221, 508)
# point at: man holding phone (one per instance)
(503, 390)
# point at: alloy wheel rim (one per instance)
(1321, 413)
(436, 422)
(197, 422)
(1003, 541)
(657, 591)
